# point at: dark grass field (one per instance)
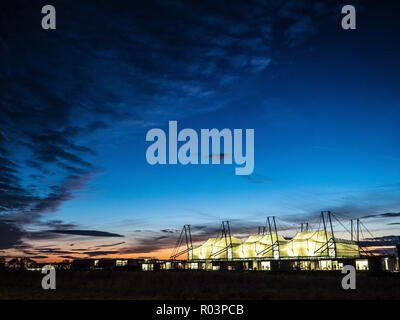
(197, 285)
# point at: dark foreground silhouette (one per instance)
(197, 285)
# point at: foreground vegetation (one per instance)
(197, 285)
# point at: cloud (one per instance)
(298, 31)
(168, 231)
(10, 235)
(50, 251)
(256, 178)
(38, 257)
(90, 233)
(378, 202)
(393, 238)
(383, 215)
(70, 257)
(385, 244)
(110, 245)
(64, 90)
(35, 206)
(100, 253)
(259, 63)
(57, 224)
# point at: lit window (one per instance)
(362, 264)
(265, 265)
(121, 263)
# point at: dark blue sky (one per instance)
(76, 103)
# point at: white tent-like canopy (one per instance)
(304, 244)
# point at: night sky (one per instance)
(76, 104)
